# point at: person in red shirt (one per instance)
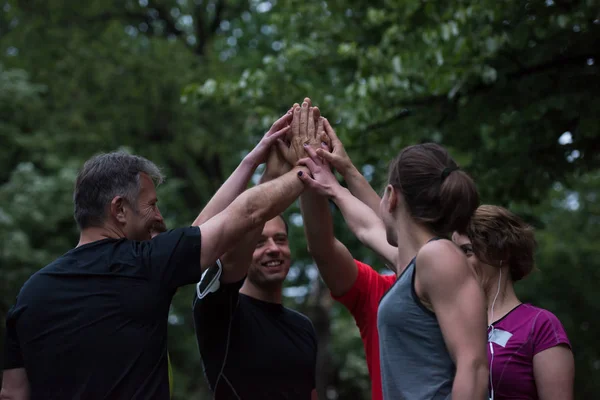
(354, 284)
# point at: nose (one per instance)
(159, 217)
(272, 248)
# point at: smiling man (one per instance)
(253, 347)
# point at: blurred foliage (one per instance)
(508, 86)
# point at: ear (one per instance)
(392, 198)
(117, 209)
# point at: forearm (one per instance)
(237, 261)
(471, 381)
(232, 188)
(361, 189)
(318, 223)
(366, 226)
(248, 211)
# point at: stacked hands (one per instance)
(303, 138)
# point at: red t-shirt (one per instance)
(362, 300)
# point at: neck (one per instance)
(271, 295)
(95, 233)
(505, 301)
(411, 237)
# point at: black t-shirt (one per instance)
(93, 324)
(272, 350)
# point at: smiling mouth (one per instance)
(272, 263)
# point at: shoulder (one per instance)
(443, 260)
(367, 272)
(543, 319)
(296, 318)
(546, 329)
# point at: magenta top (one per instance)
(516, 338)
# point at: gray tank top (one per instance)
(415, 364)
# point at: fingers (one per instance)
(304, 120)
(279, 134)
(308, 101)
(296, 120)
(311, 122)
(313, 154)
(316, 117)
(310, 164)
(284, 120)
(329, 158)
(308, 181)
(330, 132)
(320, 127)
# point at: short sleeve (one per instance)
(548, 332)
(363, 297)
(13, 357)
(175, 256)
(212, 314)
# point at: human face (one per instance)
(271, 259)
(485, 273)
(142, 223)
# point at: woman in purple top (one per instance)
(529, 352)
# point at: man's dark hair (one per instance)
(105, 176)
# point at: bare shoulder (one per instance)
(442, 260)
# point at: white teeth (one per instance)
(273, 263)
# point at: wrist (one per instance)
(250, 162)
(338, 192)
(350, 171)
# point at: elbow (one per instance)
(473, 372)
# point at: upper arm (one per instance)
(554, 372)
(15, 385)
(219, 234)
(444, 279)
(237, 260)
(337, 267)
(553, 362)
(174, 256)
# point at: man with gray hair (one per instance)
(93, 323)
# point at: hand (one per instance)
(260, 153)
(276, 165)
(338, 157)
(322, 181)
(304, 131)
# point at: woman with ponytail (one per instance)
(431, 322)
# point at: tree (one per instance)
(507, 86)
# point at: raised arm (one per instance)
(252, 209)
(361, 219)
(444, 280)
(339, 159)
(237, 260)
(238, 180)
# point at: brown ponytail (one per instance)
(436, 192)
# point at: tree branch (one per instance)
(481, 88)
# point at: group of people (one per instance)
(446, 324)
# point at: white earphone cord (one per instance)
(492, 332)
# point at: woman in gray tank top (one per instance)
(432, 321)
